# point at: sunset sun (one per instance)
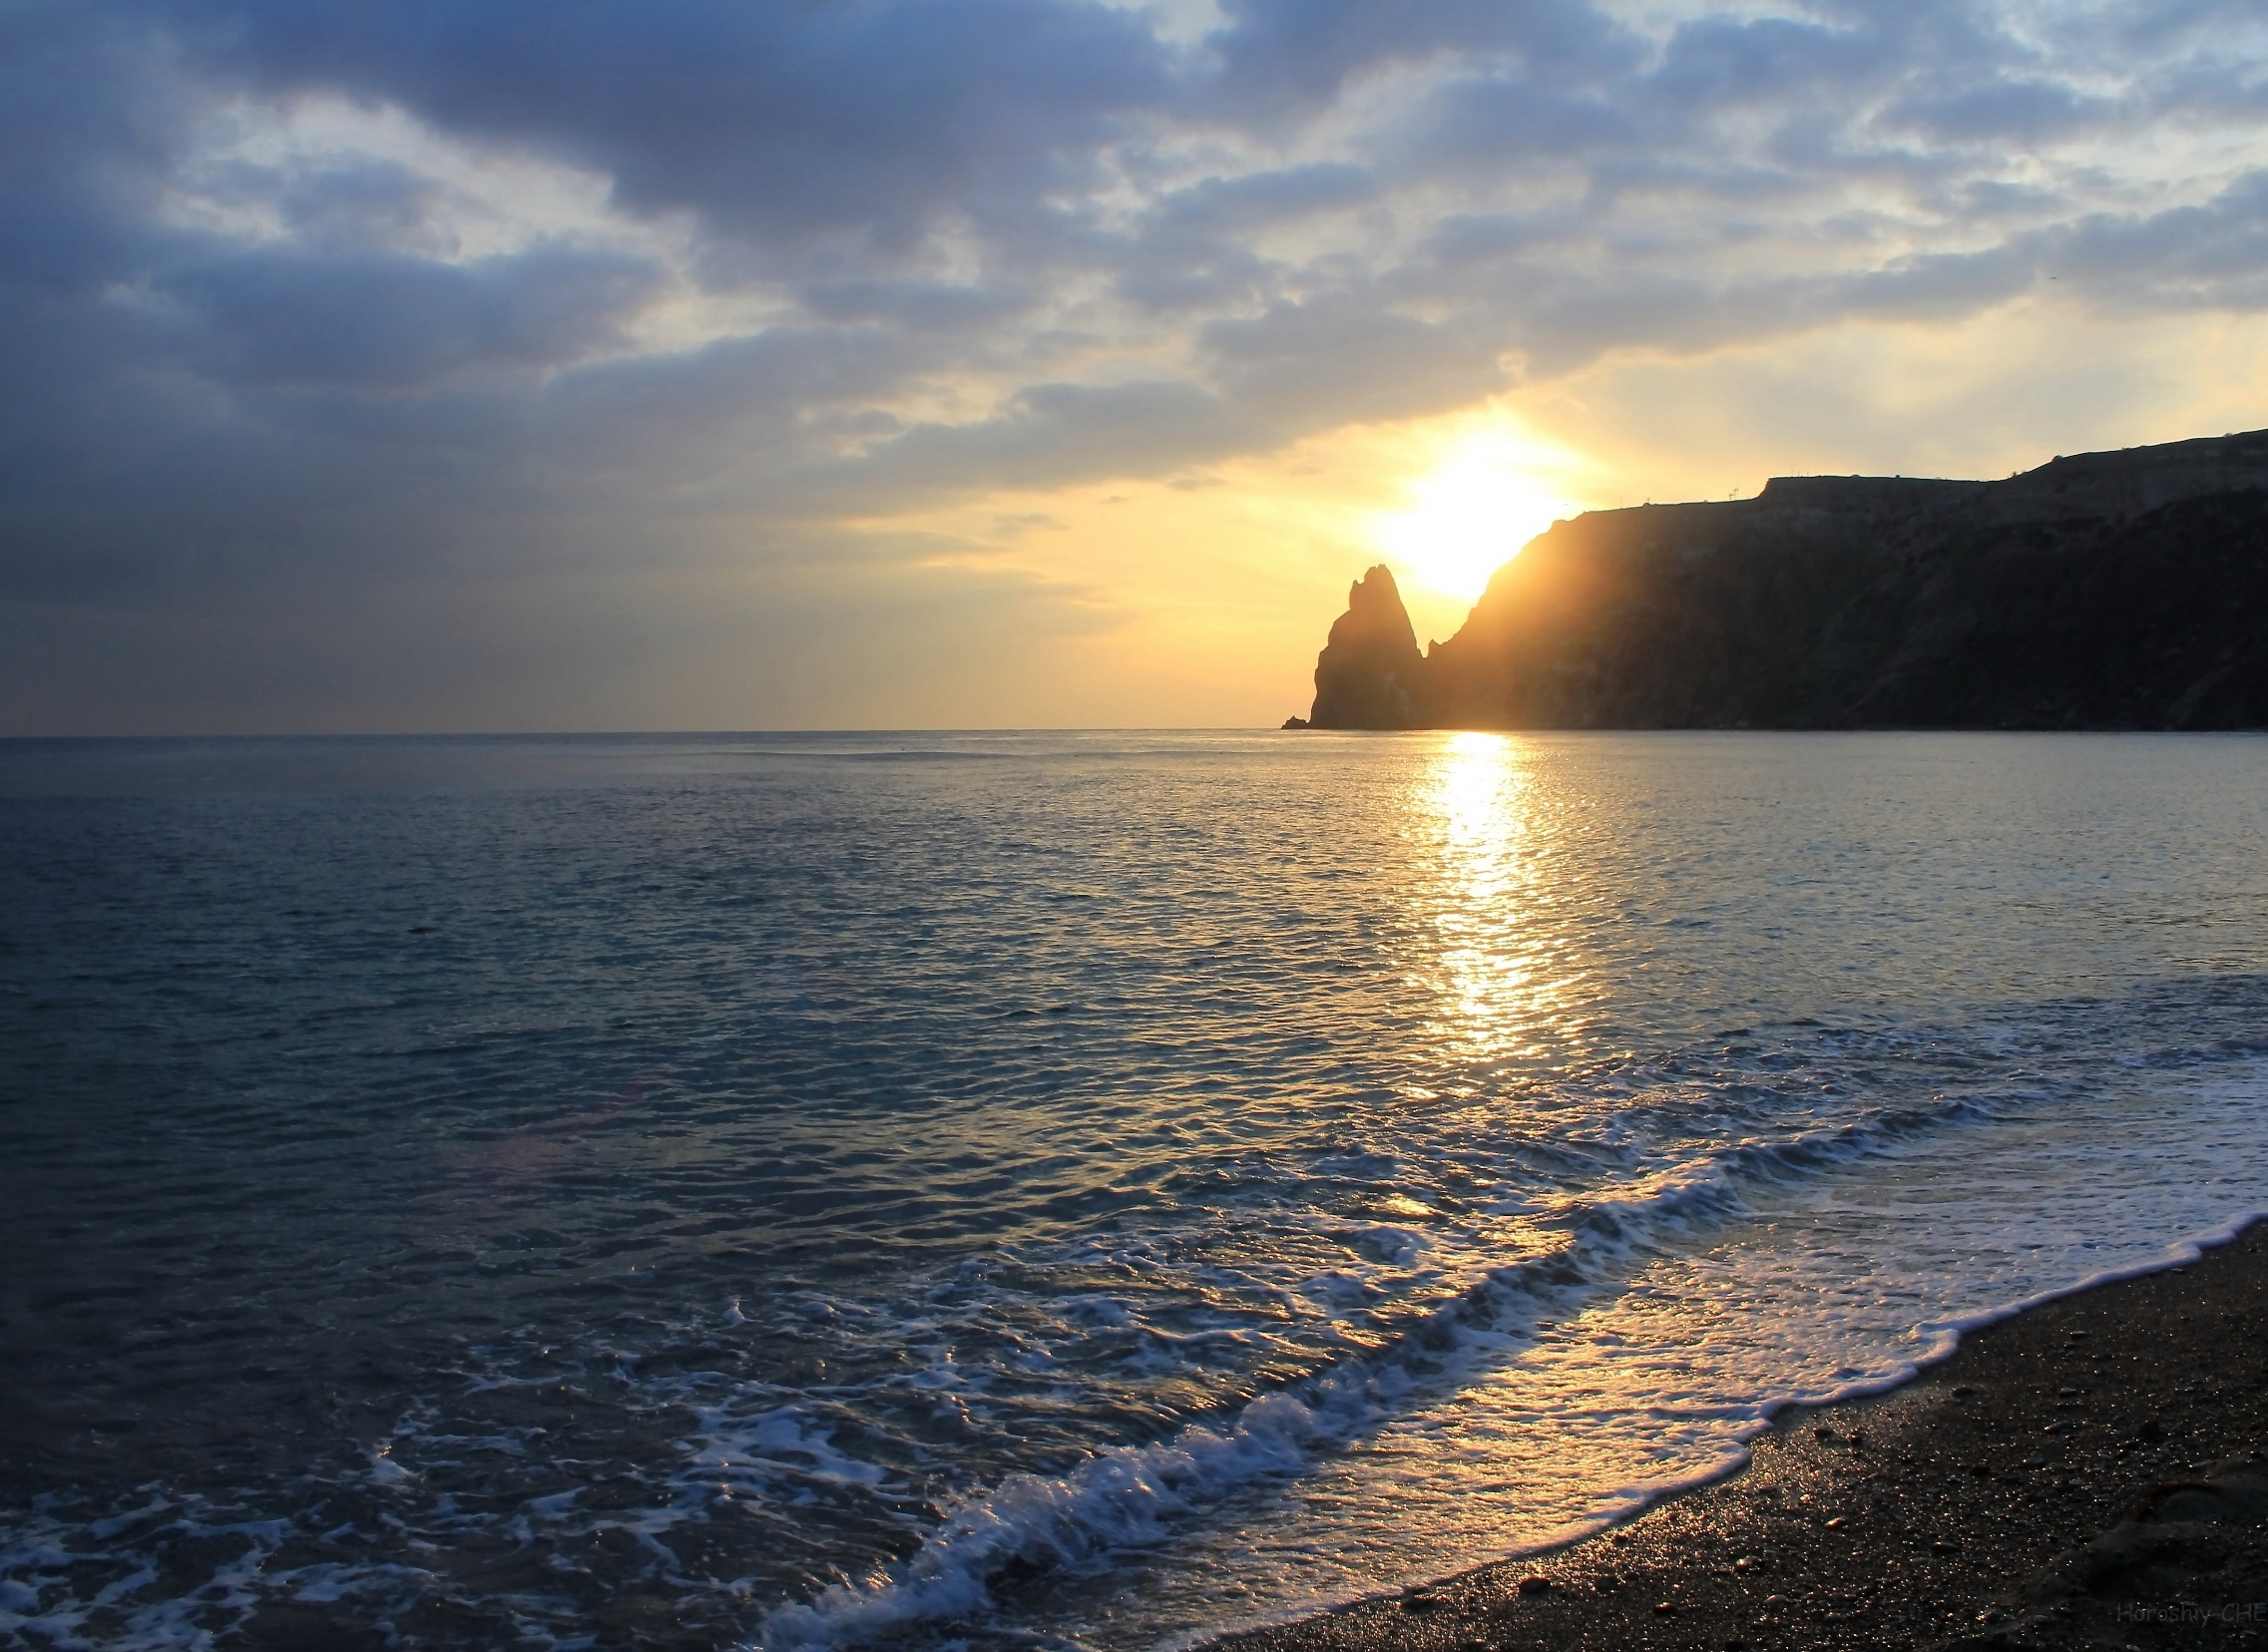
(1468, 515)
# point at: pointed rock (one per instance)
(1370, 674)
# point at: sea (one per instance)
(1042, 1190)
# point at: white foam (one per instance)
(1120, 1498)
(1131, 1496)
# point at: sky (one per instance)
(461, 365)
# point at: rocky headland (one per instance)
(2105, 590)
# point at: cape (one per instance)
(2110, 590)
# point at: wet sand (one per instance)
(2090, 1474)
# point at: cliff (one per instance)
(2120, 590)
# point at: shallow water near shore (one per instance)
(1042, 1189)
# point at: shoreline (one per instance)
(2089, 1471)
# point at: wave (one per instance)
(1134, 1495)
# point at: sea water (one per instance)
(1036, 1190)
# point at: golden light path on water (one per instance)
(1504, 978)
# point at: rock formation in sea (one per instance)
(1370, 671)
(2123, 589)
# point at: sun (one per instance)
(1470, 514)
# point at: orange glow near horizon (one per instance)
(1203, 596)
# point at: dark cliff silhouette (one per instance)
(1369, 673)
(2120, 590)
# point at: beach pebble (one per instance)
(1534, 1585)
(1665, 1609)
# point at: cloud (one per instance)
(385, 320)
(1193, 252)
(1049, 434)
(2024, 111)
(1712, 63)
(1495, 119)
(1228, 205)
(305, 305)
(2211, 255)
(1360, 357)
(1275, 56)
(768, 119)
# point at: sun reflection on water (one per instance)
(1503, 975)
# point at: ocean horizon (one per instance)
(1042, 1188)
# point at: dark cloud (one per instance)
(89, 125)
(1721, 63)
(1191, 254)
(1279, 55)
(1354, 353)
(776, 119)
(2155, 25)
(921, 305)
(1472, 238)
(1498, 119)
(361, 206)
(2213, 255)
(1228, 205)
(2007, 110)
(282, 317)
